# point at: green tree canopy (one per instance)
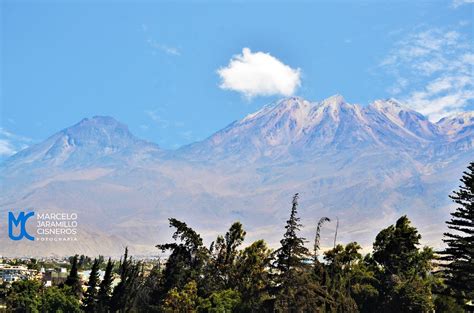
(403, 269)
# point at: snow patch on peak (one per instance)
(388, 105)
(333, 106)
(457, 122)
(295, 106)
(334, 101)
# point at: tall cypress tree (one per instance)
(73, 280)
(459, 253)
(105, 289)
(292, 253)
(90, 297)
(294, 290)
(119, 294)
(125, 293)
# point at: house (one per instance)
(12, 273)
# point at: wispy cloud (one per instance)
(156, 116)
(6, 148)
(433, 71)
(259, 74)
(156, 45)
(458, 3)
(167, 49)
(11, 143)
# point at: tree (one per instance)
(233, 239)
(364, 285)
(22, 296)
(124, 294)
(105, 288)
(458, 256)
(119, 294)
(447, 304)
(317, 237)
(30, 296)
(395, 247)
(186, 260)
(55, 299)
(292, 255)
(150, 296)
(252, 280)
(403, 269)
(90, 297)
(220, 269)
(340, 263)
(226, 300)
(73, 280)
(294, 288)
(182, 301)
(319, 273)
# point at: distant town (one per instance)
(53, 271)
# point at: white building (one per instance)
(11, 273)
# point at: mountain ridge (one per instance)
(299, 111)
(317, 125)
(364, 164)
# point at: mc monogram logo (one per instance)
(19, 222)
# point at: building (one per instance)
(12, 273)
(54, 276)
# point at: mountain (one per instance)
(296, 127)
(98, 139)
(367, 165)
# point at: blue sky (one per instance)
(177, 72)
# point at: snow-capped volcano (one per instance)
(366, 165)
(293, 125)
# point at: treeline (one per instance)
(398, 276)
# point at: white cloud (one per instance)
(433, 71)
(11, 143)
(259, 74)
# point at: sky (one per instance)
(176, 72)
